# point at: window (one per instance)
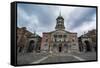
(55, 36)
(65, 45)
(72, 40)
(55, 40)
(64, 35)
(45, 44)
(46, 40)
(60, 36)
(64, 40)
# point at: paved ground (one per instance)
(53, 59)
(35, 58)
(29, 58)
(87, 55)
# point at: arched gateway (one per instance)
(31, 46)
(88, 46)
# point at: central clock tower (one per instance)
(60, 23)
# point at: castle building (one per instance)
(27, 41)
(59, 40)
(87, 41)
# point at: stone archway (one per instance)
(31, 46)
(60, 48)
(88, 46)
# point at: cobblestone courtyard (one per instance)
(36, 58)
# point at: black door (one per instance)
(60, 49)
(31, 46)
(88, 47)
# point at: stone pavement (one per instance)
(35, 58)
(28, 58)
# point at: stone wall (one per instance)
(60, 40)
(23, 39)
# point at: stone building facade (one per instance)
(87, 42)
(59, 40)
(27, 41)
(21, 39)
(33, 42)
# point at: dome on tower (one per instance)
(60, 23)
(60, 17)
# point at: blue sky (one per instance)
(42, 18)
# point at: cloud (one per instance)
(37, 18)
(80, 16)
(84, 28)
(22, 17)
(82, 20)
(42, 18)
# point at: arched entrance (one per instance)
(31, 46)
(88, 47)
(60, 48)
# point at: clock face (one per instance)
(60, 20)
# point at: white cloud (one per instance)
(32, 22)
(85, 27)
(21, 16)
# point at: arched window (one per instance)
(73, 40)
(60, 36)
(55, 36)
(64, 36)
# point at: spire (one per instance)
(59, 16)
(60, 22)
(60, 13)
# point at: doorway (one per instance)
(60, 49)
(88, 47)
(31, 46)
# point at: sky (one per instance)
(42, 18)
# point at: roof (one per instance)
(57, 30)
